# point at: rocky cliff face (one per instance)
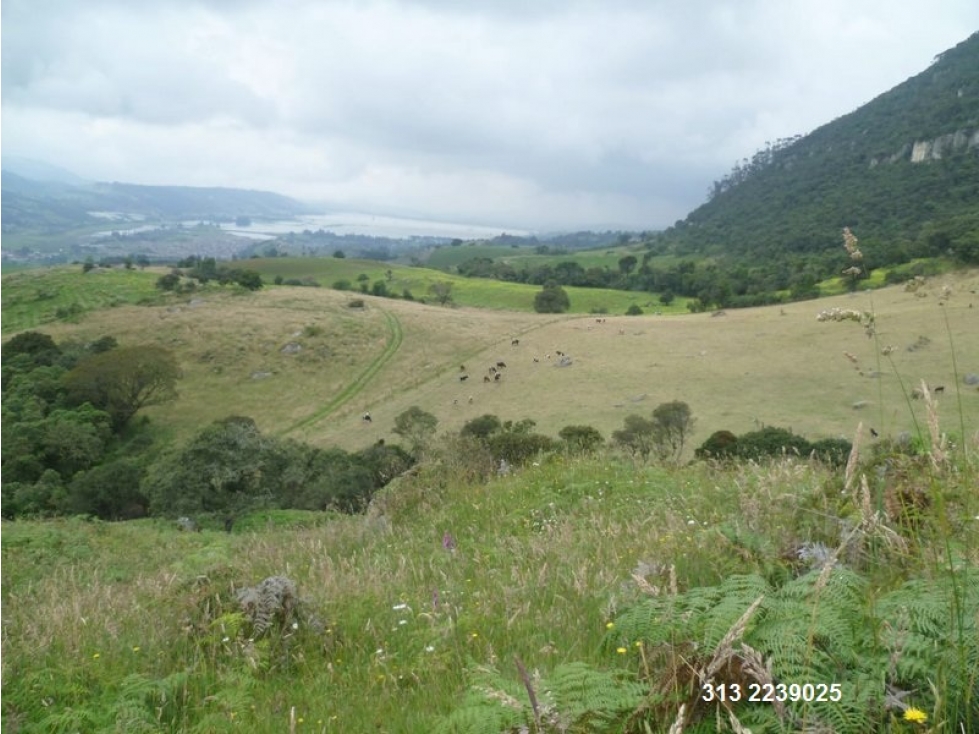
(934, 149)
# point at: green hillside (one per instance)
(472, 292)
(902, 171)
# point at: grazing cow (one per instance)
(560, 353)
(486, 378)
(514, 342)
(874, 433)
(463, 378)
(492, 370)
(536, 360)
(367, 417)
(462, 368)
(501, 364)
(497, 377)
(940, 388)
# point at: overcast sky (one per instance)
(539, 114)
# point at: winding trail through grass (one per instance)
(395, 337)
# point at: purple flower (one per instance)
(448, 542)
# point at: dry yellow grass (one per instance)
(766, 366)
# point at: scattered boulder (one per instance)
(292, 348)
(971, 379)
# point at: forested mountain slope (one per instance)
(902, 171)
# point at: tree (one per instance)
(637, 436)
(552, 298)
(627, 264)
(482, 427)
(168, 282)
(581, 439)
(442, 291)
(339, 254)
(223, 469)
(124, 380)
(672, 423)
(250, 279)
(417, 427)
(40, 347)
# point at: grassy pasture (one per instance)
(519, 257)
(752, 367)
(33, 298)
(472, 292)
(107, 625)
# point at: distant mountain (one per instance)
(35, 170)
(902, 171)
(46, 202)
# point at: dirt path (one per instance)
(395, 337)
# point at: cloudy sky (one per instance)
(538, 114)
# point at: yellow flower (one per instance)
(916, 715)
(96, 656)
(621, 650)
(135, 648)
(610, 625)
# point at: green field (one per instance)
(415, 610)
(472, 292)
(447, 257)
(33, 298)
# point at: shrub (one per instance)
(482, 427)
(356, 303)
(581, 439)
(552, 298)
(342, 285)
(719, 445)
(770, 441)
(633, 310)
(518, 448)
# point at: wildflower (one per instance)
(399, 607)
(448, 542)
(620, 650)
(915, 715)
(474, 635)
(610, 625)
(135, 648)
(96, 656)
(429, 648)
(638, 643)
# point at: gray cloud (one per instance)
(549, 115)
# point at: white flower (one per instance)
(399, 607)
(402, 621)
(429, 648)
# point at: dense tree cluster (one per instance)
(71, 446)
(206, 269)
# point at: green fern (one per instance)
(574, 698)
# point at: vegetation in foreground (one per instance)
(578, 593)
